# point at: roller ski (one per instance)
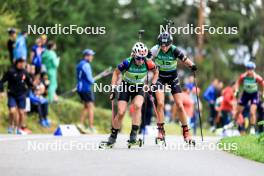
(186, 136)
(160, 139)
(111, 140)
(107, 144)
(133, 141)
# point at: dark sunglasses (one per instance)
(139, 58)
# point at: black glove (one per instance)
(193, 68)
(112, 96)
(149, 55)
(150, 92)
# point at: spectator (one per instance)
(35, 56)
(84, 88)
(45, 81)
(20, 50)
(44, 40)
(210, 97)
(51, 62)
(219, 88)
(218, 116)
(38, 102)
(11, 43)
(18, 83)
(190, 83)
(227, 104)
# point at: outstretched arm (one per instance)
(238, 83)
(260, 81)
(187, 61)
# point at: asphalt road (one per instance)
(37, 155)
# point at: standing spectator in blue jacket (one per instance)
(20, 50)
(35, 56)
(210, 97)
(85, 90)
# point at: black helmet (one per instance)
(165, 39)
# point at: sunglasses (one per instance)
(139, 58)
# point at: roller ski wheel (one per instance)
(186, 136)
(106, 145)
(160, 141)
(190, 142)
(138, 142)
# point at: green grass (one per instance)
(64, 112)
(247, 147)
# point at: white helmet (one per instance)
(139, 50)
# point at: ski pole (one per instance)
(145, 116)
(169, 23)
(113, 110)
(153, 104)
(144, 119)
(198, 104)
(104, 73)
(140, 33)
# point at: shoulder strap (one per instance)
(157, 52)
(130, 63)
(145, 61)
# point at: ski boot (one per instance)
(186, 135)
(160, 139)
(111, 140)
(133, 141)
